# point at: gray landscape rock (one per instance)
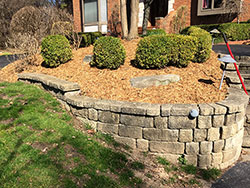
(155, 80)
(87, 58)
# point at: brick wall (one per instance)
(77, 15)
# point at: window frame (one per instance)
(99, 23)
(212, 11)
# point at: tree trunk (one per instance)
(124, 18)
(133, 33)
(146, 14)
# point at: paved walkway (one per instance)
(238, 176)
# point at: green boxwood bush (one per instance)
(185, 48)
(155, 32)
(204, 43)
(159, 51)
(236, 31)
(108, 53)
(55, 50)
(89, 38)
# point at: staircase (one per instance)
(244, 68)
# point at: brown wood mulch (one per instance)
(199, 81)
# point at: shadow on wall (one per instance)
(212, 19)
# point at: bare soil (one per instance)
(199, 81)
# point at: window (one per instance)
(210, 7)
(90, 11)
(94, 15)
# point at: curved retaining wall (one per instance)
(213, 139)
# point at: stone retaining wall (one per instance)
(213, 139)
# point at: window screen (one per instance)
(90, 11)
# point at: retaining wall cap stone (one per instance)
(51, 81)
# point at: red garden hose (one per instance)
(235, 65)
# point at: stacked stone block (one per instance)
(213, 139)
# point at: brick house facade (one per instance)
(104, 15)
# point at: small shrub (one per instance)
(236, 31)
(89, 38)
(56, 50)
(155, 32)
(108, 53)
(159, 51)
(185, 48)
(204, 43)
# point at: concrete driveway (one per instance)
(237, 49)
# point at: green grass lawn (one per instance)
(5, 53)
(40, 148)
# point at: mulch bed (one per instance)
(199, 81)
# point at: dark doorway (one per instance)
(159, 8)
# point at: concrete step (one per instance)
(246, 76)
(244, 71)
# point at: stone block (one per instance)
(213, 134)
(131, 142)
(160, 134)
(134, 108)
(206, 147)
(182, 109)
(93, 114)
(200, 135)
(230, 119)
(141, 121)
(166, 147)
(206, 110)
(142, 144)
(191, 159)
(165, 109)
(161, 122)
(107, 128)
(246, 141)
(181, 122)
(108, 117)
(186, 135)
(116, 106)
(103, 105)
(240, 116)
(217, 159)
(204, 161)
(240, 124)
(204, 122)
(81, 112)
(233, 103)
(153, 110)
(192, 148)
(218, 120)
(218, 109)
(130, 131)
(218, 145)
(229, 154)
(227, 131)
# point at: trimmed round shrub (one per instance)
(204, 46)
(155, 32)
(159, 51)
(55, 50)
(185, 47)
(108, 53)
(236, 31)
